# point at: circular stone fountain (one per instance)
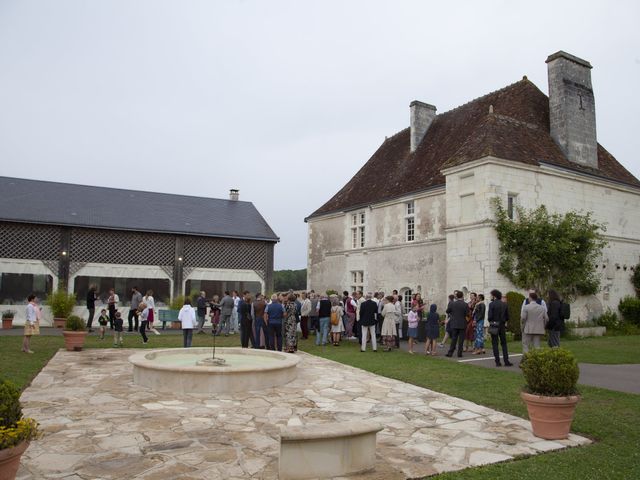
(187, 370)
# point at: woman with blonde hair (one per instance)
(337, 325)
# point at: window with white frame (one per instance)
(511, 205)
(407, 298)
(358, 221)
(410, 221)
(357, 280)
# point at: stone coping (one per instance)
(146, 359)
(328, 431)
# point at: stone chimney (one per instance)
(234, 194)
(572, 110)
(422, 114)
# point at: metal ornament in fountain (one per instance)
(213, 360)
(183, 370)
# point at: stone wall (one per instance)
(472, 245)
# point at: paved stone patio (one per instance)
(99, 425)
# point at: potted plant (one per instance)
(15, 430)
(551, 375)
(74, 333)
(7, 318)
(61, 304)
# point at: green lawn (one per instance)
(612, 419)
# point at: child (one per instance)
(412, 331)
(102, 321)
(117, 332)
(144, 321)
(432, 330)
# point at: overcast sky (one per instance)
(284, 100)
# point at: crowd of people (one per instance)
(371, 318)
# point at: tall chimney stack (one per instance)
(572, 109)
(234, 194)
(422, 114)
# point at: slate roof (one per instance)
(517, 130)
(51, 203)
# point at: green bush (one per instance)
(10, 410)
(74, 324)
(514, 302)
(550, 371)
(176, 303)
(610, 320)
(8, 314)
(13, 428)
(630, 309)
(61, 303)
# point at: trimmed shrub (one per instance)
(635, 279)
(74, 324)
(550, 372)
(10, 410)
(514, 302)
(630, 309)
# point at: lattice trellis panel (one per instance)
(225, 253)
(38, 242)
(105, 246)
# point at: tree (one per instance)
(550, 251)
(290, 279)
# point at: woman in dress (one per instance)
(470, 332)
(478, 316)
(388, 330)
(338, 328)
(151, 305)
(419, 303)
(432, 330)
(32, 323)
(290, 326)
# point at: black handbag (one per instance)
(494, 328)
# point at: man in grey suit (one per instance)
(458, 310)
(226, 310)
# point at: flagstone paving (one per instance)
(98, 425)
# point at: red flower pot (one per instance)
(10, 461)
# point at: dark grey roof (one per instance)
(35, 201)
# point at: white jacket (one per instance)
(187, 316)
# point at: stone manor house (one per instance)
(417, 216)
(55, 234)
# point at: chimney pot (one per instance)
(421, 117)
(234, 194)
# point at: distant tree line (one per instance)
(290, 279)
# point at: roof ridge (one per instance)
(119, 189)
(524, 79)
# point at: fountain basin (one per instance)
(175, 370)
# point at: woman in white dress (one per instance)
(388, 330)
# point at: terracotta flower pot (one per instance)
(550, 417)
(74, 341)
(10, 461)
(59, 322)
(7, 322)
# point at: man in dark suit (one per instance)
(367, 322)
(498, 317)
(458, 310)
